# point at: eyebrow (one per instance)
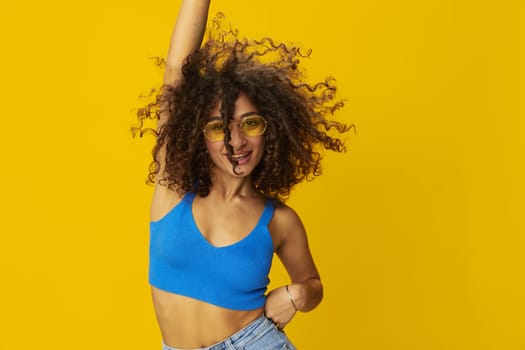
(244, 115)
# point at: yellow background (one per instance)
(418, 230)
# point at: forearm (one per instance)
(187, 35)
(306, 295)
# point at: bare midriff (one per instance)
(188, 323)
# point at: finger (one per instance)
(278, 325)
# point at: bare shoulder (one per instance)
(285, 216)
(285, 225)
(164, 199)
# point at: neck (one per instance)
(229, 187)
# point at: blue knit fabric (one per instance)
(182, 261)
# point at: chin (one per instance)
(242, 171)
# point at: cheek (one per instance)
(259, 144)
(212, 147)
(215, 151)
(207, 146)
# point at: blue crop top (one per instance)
(182, 261)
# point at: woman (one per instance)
(236, 131)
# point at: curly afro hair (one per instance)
(299, 115)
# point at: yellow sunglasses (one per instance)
(251, 125)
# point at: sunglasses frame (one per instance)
(245, 117)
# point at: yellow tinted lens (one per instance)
(214, 131)
(253, 125)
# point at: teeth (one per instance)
(239, 156)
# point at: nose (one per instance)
(237, 137)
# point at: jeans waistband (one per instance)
(253, 330)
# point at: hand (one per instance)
(279, 308)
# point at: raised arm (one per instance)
(186, 37)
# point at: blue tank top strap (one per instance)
(188, 197)
(267, 214)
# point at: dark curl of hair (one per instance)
(299, 115)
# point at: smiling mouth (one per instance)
(240, 158)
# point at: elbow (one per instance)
(315, 292)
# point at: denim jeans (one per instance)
(260, 334)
